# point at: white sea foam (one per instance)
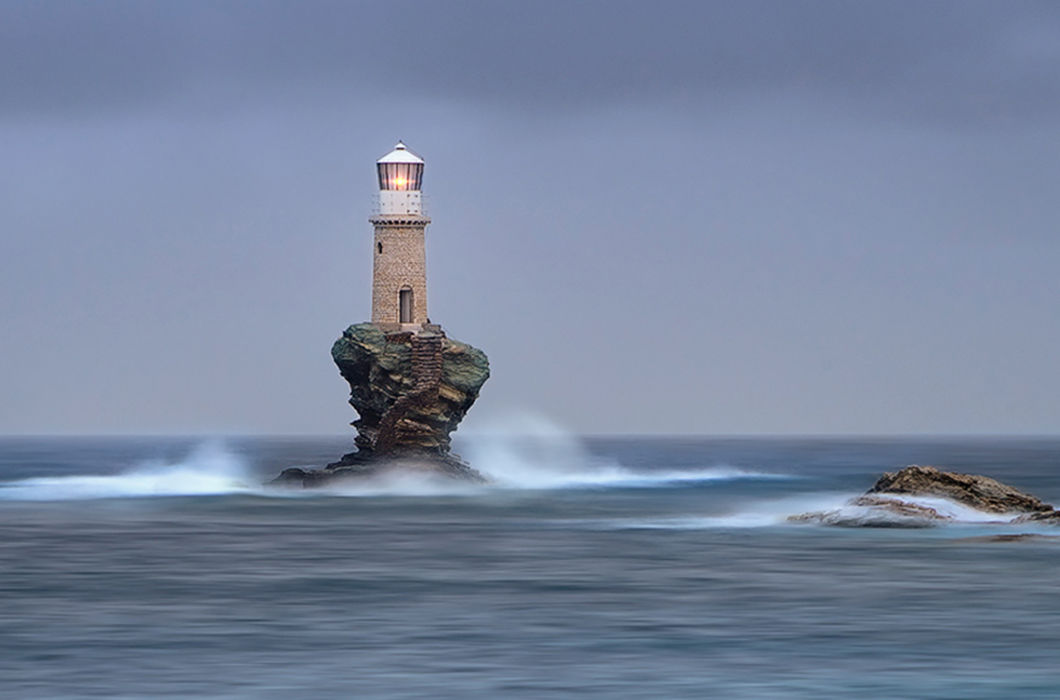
(837, 506)
(518, 452)
(853, 514)
(610, 475)
(393, 483)
(530, 452)
(951, 510)
(208, 469)
(762, 513)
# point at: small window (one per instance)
(379, 248)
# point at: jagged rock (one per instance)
(1046, 516)
(874, 511)
(979, 492)
(361, 465)
(881, 506)
(411, 391)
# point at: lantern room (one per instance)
(400, 178)
(401, 169)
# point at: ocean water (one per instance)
(597, 568)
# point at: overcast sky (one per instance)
(655, 217)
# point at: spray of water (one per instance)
(523, 450)
(950, 510)
(210, 468)
(519, 452)
(763, 513)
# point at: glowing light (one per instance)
(400, 182)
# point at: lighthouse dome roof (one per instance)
(400, 154)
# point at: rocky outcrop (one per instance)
(972, 490)
(874, 511)
(891, 501)
(411, 390)
(361, 465)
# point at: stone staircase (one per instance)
(426, 377)
(426, 364)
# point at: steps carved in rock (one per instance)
(426, 377)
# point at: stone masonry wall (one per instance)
(400, 261)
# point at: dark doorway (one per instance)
(405, 299)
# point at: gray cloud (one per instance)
(964, 61)
(664, 217)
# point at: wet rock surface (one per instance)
(869, 511)
(979, 492)
(411, 390)
(889, 502)
(357, 466)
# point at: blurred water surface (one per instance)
(632, 567)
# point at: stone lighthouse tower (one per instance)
(399, 273)
(410, 383)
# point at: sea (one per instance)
(607, 567)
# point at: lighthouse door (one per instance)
(405, 299)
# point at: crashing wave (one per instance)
(210, 469)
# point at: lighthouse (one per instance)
(410, 383)
(399, 270)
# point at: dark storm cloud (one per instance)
(963, 62)
(857, 235)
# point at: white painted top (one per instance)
(400, 154)
(400, 202)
